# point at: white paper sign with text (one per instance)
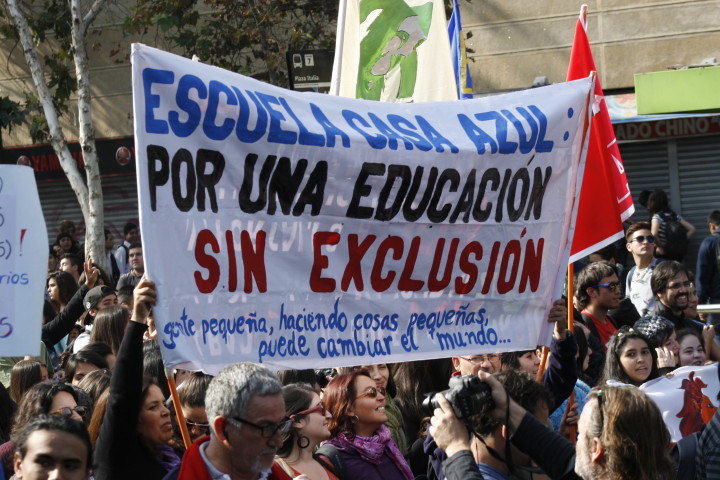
(23, 262)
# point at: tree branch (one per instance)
(91, 15)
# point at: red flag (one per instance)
(605, 200)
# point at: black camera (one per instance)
(469, 396)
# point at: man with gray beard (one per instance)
(246, 412)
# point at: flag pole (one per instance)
(179, 416)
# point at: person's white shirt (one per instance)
(122, 259)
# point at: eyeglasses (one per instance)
(610, 285)
(600, 395)
(67, 411)
(372, 392)
(678, 286)
(202, 427)
(642, 238)
(268, 431)
(317, 408)
(480, 359)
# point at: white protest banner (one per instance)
(687, 398)
(305, 230)
(23, 262)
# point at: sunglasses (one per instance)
(320, 408)
(67, 411)
(202, 427)
(372, 392)
(642, 238)
(610, 285)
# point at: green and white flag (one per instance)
(393, 51)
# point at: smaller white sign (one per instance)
(23, 262)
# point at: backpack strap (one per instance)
(684, 454)
(628, 285)
(329, 457)
(127, 253)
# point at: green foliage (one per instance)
(50, 24)
(11, 113)
(39, 130)
(248, 36)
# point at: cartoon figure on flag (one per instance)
(393, 51)
(686, 398)
(391, 42)
(697, 409)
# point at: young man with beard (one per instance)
(641, 244)
(671, 283)
(621, 434)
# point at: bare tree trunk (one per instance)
(94, 219)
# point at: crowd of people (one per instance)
(96, 402)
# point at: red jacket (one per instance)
(193, 467)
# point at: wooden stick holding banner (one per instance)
(179, 416)
(543, 362)
(572, 430)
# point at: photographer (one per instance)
(490, 447)
(621, 434)
(559, 377)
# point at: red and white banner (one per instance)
(305, 230)
(605, 200)
(687, 398)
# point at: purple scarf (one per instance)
(167, 457)
(372, 448)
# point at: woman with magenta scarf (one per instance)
(358, 430)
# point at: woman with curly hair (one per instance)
(42, 398)
(358, 429)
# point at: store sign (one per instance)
(674, 127)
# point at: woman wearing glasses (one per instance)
(309, 428)
(136, 429)
(358, 429)
(42, 398)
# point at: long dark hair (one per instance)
(109, 326)
(613, 368)
(298, 397)
(66, 285)
(658, 202)
(24, 375)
